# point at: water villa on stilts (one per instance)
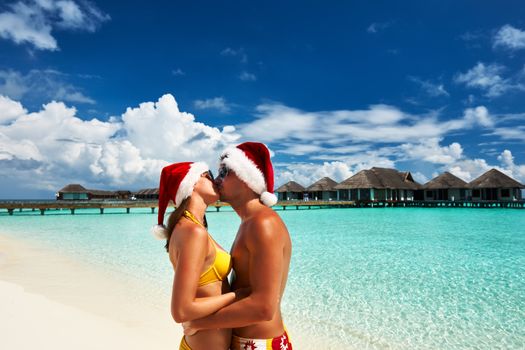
(375, 187)
(379, 187)
(446, 187)
(494, 186)
(290, 191)
(322, 190)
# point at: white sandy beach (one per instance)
(49, 301)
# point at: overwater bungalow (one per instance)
(446, 187)
(123, 194)
(101, 194)
(147, 193)
(79, 192)
(323, 189)
(495, 186)
(377, 184)
(290, 191)
(73, 192)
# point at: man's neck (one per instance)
(247, 207)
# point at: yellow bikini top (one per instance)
(222, 265)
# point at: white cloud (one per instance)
(434, 90)
(307, 173)
(10, 110)
(217, 103)
(489, 79)
(469, 169)
(378, 124)
(510, 133)
(479, 115)
(52, 147)
(431, 151)
(512, 169)
(41, 84)
(340, 169)
(420, 177)
(245, 76)
(235, 53)
(510, 37)
(178, 72)
(375, 27)
(32, 22)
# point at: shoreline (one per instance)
(71, 303)
(52, 301)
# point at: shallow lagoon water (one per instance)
(382, 278)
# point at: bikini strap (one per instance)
(192, 218)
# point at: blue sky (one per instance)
(104, 95)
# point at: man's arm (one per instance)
(265, 245)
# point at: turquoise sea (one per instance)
(383, 278)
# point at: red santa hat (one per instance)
(251, 163)
(176, 183)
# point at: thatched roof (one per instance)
(495, 179)
(380, 178)
(101, 192)
(73, 188)
(290, 186)
(445, 180)
(123, 192)
(147, 191)
(325, 184)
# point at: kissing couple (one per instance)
(216, 314)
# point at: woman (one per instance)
(201, 266)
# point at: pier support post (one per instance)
(218, 208)
(72, 211)
(42, 211)
(127, 210)
(284, 207)
(153, 210)
(101, 210)
(10, 211)
(296, 207)
(20, 209)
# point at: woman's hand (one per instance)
(188, 329)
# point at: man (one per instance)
(261, 253)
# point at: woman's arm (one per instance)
(192, 245)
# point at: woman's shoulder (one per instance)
(184, 233)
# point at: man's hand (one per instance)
(188, 329)
(242, 293)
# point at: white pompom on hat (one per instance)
(176, 183)
(251, 163)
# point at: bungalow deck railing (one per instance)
(45, 205)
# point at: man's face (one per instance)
(230, 186)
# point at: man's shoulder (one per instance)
(265, 225)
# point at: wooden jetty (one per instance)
(127, 205)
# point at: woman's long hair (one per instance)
(174, 218)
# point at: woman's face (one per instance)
(206, 188)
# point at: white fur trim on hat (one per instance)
(244, 168)
(269, 199)
(159, 232)
(186, 186)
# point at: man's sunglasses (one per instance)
(223, 172)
